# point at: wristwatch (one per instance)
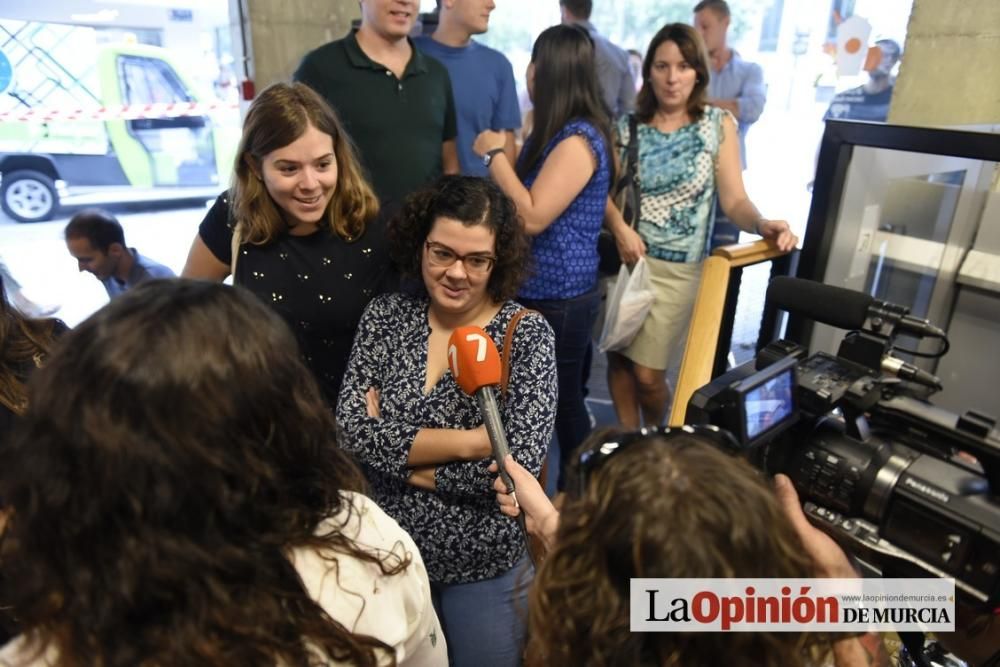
(489, 155)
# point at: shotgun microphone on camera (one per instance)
(844, 308)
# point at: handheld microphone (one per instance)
(844, 308)
(475, 365)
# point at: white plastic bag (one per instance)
(628, 304)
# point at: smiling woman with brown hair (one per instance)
(305, 225)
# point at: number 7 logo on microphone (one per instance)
(473, 359)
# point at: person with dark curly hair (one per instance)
(421, 439)
(305, 225)
(667, 503)
(178, 497)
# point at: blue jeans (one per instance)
(484, 621)
(572, 320)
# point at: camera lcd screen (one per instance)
(769, 404)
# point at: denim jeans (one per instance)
(572, 320)
(484, 621)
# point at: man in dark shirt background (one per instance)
(395, 103)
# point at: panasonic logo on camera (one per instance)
(926, 490)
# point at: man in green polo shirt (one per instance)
(395, 102)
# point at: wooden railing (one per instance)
(712, 317)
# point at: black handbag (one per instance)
(626, 197)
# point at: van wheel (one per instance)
(28, 196)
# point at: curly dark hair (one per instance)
(472, 201)
(660, 508)
(174, 450)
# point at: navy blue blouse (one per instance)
(566, 252)
(461, 533)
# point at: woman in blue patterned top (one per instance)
(421, 439)
(687, 151)
(560, 186)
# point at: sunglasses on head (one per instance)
(593, 458)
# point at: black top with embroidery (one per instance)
(319, 284)
(461, 534)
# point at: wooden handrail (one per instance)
(706, 317)
(745, 254)
(703, 335)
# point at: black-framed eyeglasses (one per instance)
(591, 459)
(442, 256)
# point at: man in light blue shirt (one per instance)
(735, 84)
(482, 78)
(96, 241)
(613, 72)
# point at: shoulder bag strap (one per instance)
(534, 546)
(508, 340)
(633, 165)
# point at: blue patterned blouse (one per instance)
(566, 252)
(677, 185)
(461, 534)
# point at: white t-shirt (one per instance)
(396, 609)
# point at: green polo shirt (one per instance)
(397, 124)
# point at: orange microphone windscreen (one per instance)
(473, 359)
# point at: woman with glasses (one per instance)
(421, 440)
(560, 185)
(667, 503)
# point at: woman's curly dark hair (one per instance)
(174, 452)
(471, 201)
(660, 508)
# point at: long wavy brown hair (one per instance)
(281, 114)
(565, 88)
(24, 343)
(173, 453)
(674, 507)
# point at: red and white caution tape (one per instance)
(122, 112)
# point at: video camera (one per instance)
(909, 488)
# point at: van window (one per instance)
(150, 81)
